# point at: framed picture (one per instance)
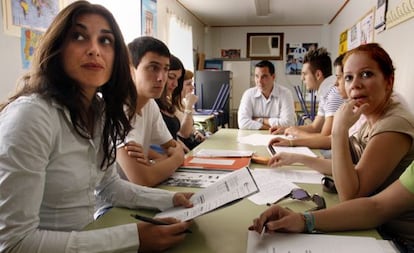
(230, 53)
(36, 15)
(149, 18)
(265, 46)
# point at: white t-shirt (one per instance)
(149, 127)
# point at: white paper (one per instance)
(288, 174)
(310, 243)
(271, 187)
(236, 185)
(296, 150)
(212, 161)
(260, 139)
(223, 153)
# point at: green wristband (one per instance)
(309, 222)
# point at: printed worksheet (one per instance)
(234, 186)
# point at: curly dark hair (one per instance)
(48, 79)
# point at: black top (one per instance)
(173, 124)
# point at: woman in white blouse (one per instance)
(58, 136)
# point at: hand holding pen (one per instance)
(154, 221)
(156, 235)
(277, 218)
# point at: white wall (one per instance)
(11, 66)
(236, 38)
(398, 41)
(10, 63)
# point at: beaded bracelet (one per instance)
(309, 222)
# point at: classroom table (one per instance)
(225, 229)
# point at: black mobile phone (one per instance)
(271, 150)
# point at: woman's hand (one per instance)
(183, 199)
(279, 141)
(346, 116)
(199, 136)
(277, 218)
(283, 158)
(277, 130)
(190, 100)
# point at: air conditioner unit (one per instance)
(265, 46)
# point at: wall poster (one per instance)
(149, 18)
(294, 56)
(360, 33)
(29, 41)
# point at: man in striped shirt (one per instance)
(317, 75)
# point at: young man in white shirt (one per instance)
(317, 75)
(268, 104)
(140, 164)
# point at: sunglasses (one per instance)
(301, 194)
(328, 185)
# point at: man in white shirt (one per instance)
(268, 104)
(317, 75)
(140, 164)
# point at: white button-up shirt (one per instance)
(279, 108)
(51, 184)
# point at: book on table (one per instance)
(216, 163)
(217, 159)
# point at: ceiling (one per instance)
(222, 13)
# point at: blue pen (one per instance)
(154, 221)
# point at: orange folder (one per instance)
(216, 163)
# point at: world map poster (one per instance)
(34, 14)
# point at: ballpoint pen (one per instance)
(154, 221)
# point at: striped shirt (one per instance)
(329, 98)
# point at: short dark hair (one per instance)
(266, 64)
(144, 44)
(339, 61)
(319, 59)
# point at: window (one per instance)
(180, 40)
